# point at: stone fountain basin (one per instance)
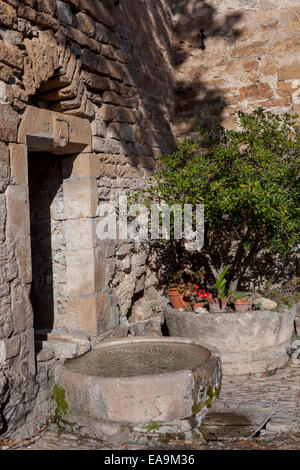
(249, 342)
(179, 378)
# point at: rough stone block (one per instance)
(47, 6)
(11, 55)
(115, 70)
(23, 257)
(2, 217)
(102, 33)
(108, 146)
(95, 82)
(18, 218)
(125, 115)
(98, 10)
(4, 166)
(297, 323)
(289, 72)
(80, 272)
(18, 163)
(256, 48)
(80, 234)
(108, 112)
(93, 62)
(6, 73)
(256, 92)
(85, 24)
(8, 123)
(121, 131)
(80, 198)
(90, 314)
(46, 130)
(9, 348)
(21, 310)
(64, 13)
(99, 128)
(84, 165)
(100, 266)
(8, 15)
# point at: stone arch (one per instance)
(52, 70)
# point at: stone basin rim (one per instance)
(213, 352)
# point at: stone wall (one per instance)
(237, 55)
(93, 81)
(108, 63)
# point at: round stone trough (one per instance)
(138, 389)
(250, 342)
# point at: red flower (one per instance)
(203, 295)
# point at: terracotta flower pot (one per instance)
(198, 305)
(241, 305)
(177, 299)
(217, 305)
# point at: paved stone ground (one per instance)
(279, 392)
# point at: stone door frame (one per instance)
(42, 130)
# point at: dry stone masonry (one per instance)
(237, 55)
(91, 91)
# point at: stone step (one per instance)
(64, 345)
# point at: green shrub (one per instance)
(248, 182)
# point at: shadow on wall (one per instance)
(146, 54)
(197, 95)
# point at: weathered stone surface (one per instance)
(84, 58)
(18, 211)
(266, 304)
(254, 92)
(9, 348)
(85, 24)
(80, 272)
(80, 198)
(18, 163)
(64, 12)
(45, 130)
(8, 123)
(289, 72)
(4, 166)
(11, 55)
(95, 82)
(90, 314)
(8, 15)
(45, 355)
(297, 323)
(249, 342)
(84, 165)
(169, 398)
(93, 62)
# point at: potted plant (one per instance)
(218, 303)
(199, 298)
(176, 293)
(182, 288)
(241, 302)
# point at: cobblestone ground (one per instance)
(279, 392)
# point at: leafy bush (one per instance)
(248, 182)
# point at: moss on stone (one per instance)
(123, 427)
(152, 426)
(197, 407)
(62, 407)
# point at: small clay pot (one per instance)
(241, 305)
(177, 299)
(217, 305)
(199, 305)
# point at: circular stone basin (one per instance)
(133, 389)
(249, 342)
